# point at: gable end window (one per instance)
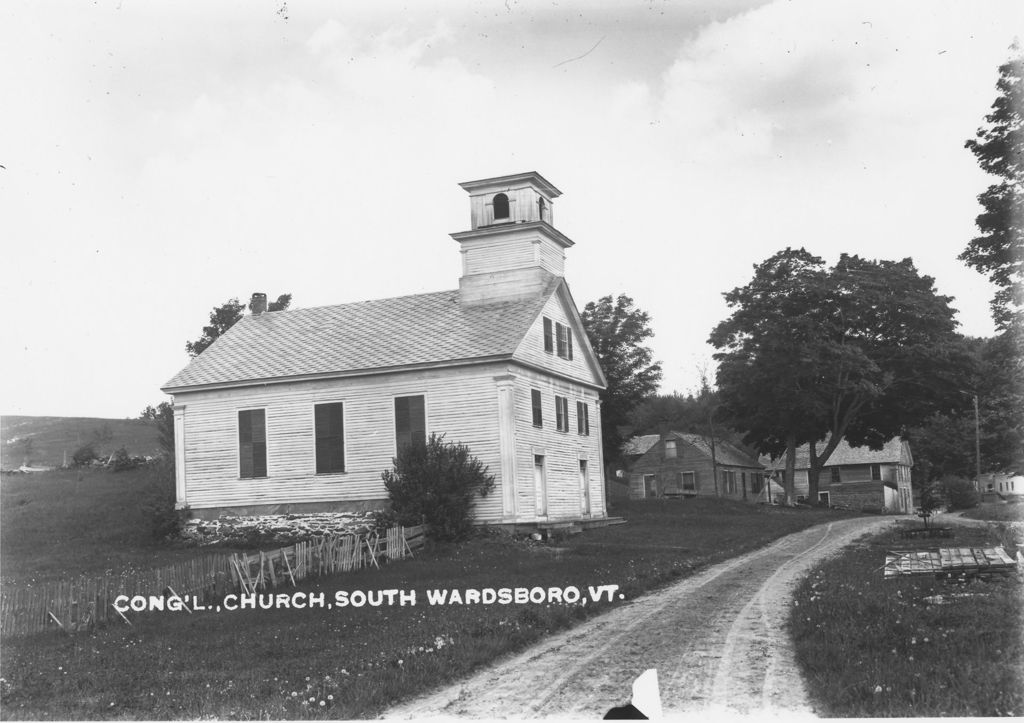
(561, 414)
(876, 471)
(538, 412)
(583, 418)
(500, 206)
(836, 477)
(670, 449)
(410, 421)
(549, 336)
(252, 443)
(329, 420)
(563, 337)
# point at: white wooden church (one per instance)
(301, 410)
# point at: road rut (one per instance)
(717, 640)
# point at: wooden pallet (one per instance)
(949, 561)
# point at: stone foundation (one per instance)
(300, 508)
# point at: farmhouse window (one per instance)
(500, 206)
(410, 421)
(670, 449)
(549, 336)
(329, 420)
(836, 476)
(561, 414)
(755, 482)
(538, 412)
(563, 336)
(252, 443)
(689, 481)
(876, 471)
(583, 418)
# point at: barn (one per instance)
(302, 410)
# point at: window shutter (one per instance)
(244, 445)
(568, 343)
(549, 343)
(538, 413)
(329, 421)
(252, 443)
(410, 420)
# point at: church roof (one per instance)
(417, 331)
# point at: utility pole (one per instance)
(977, 442)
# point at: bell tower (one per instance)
(512, 249)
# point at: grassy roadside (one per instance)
(997, 512)
(269, 663)
(903, 651)
(70, 522)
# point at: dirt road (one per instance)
(717, 640)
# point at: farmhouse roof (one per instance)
(725, 452)
(640, 444)
(895, 450)
(421, 330)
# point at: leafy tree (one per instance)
(944, 443)
(84, 455)
(436, 483)
(225, 316)
(774, 354)
(617, 330)
(999, 149)
(960, 492)
(814, 355)
(933, 499)
(162, 415)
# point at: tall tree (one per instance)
(772, 355)
(999, 148)
(225, 316)
(617, 330)
(859, 351)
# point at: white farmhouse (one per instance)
(297, 411)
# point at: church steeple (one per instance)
(512, 248)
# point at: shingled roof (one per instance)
(421, 330)
(845, 455)
(726, 453)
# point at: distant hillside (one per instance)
(51, 437)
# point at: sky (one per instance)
(161, 158)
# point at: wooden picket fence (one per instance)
(87, 602)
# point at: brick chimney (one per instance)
(258, 303)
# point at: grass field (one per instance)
(248, 664)
(997, 512)
(904, 652)
(65, 522)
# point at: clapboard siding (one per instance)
(461, 404)
(516, 249)
(552, 258)
(562, 450)
(497, 255)
(531, 349)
